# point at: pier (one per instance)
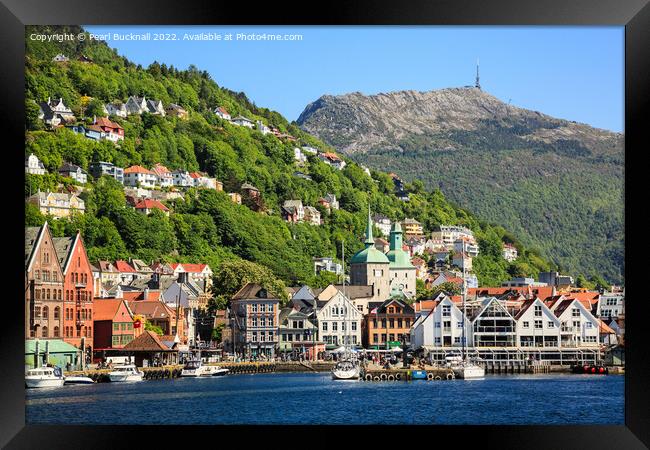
(430, 373)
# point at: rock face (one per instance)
(555, 182)
(358, 123)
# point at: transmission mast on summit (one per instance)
(477, 84)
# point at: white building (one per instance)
(537, 326)
(448, 234)
(34, 166)
(327, 264)
(138, 176)
(75, 172)
(221, 112)
(299, 156)
(339, 318)
(611, 305)
(182, 178)
(56, 204)
(383, 223)
(164, 176)
(243, 122)
(578, 328)
(60, 58)
(509, 252)
(466, 245)
(263, 128)
(139, 105)
(440, 327)
(115, 109)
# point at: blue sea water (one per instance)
(314, 398)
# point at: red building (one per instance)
(43, 285)
(108, 126)
(113, 325)
(77, 290)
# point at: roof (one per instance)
(153, 309)
(148, 341)
(53, 346)
(351, 291)
(252, 291)
(69, 167)
(149, 203)
(32, 235)
(105, 309)
(189, 267)
(106, 122)
(138, 169)
(249, 186)
(63, 247)
(330, 155)
(604, 328)
(159, 169)
(123, 266)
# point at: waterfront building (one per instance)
(578, 328)
(492, 325)
(150, 347)
(298, 334)
(388, 324)
(537, 326)
(39, 352)
(157, 313)
(255, 321)
(611, 305)
(78, 294)
(359, 295)
(43, 285)
(339, 322)
(440, 325)
(114, 325)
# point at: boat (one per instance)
(219, 371)
(125, 372)
(464, 367)
(78, 380)
(196, 368)
(43, 377)
(347, 368)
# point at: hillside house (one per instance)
(138, 176)
(75, 172)
(57, 204)
(34, 166)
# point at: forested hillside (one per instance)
(206, 226)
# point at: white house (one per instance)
(221, 112)
(383, 223)
(492, 324)
(509, 252)
(139, 105)
(139, 176)
(440, 327)
(467, 246)
(163, 175)
(60, 58)
(448, 234)
(115, 109)
(263, 128)
(55, 112)
(297, 204)
(578, 328)
(327, 264)
(75, 172)
(299, 156)
(182, 178)
(537, 326)
(34, 166)
(337, 318)
(243, 122)
(610, 305)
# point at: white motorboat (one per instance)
(126, 372)
(78, 380)
(469, 370)
(346, 370)
(219, 371)
(196, 368)
(42, 377)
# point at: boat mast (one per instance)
(464, 295)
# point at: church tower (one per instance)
(370, 267)
(402, 272)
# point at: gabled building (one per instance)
(299, 335)
(329, 201)
(295, 212)
(537, 326)
(60, 58)
(312, 215)
(221, 112)
(182, 178)
(440, 325)
(371, 267)
(73, 171)
(332, 159)
(115, 109)
(77, 291)
(114, 131)
(328, 264)
(138, 176)
(43, 285)
(201, 274)
(126, 271)
(55, 112)
(105, 276)
(114, 326)
(139, 105)
(255, 316)
(164, 177)
(243, 122)
(339, 322)
(34, 166)
(492, 325)
(57, 204)
(388, 324)
(175, 110)
(147, 206)
(579, 328)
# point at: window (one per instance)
(56, 332)
(459, 324)
(391, 310)
(457, 340)
(57, 312)
(575, 312)
(37, 312)
(254, 339)
(538, 310)
(437, 340)
(400, 323)
(116, 326)
(407, 323)
(391, 337)
(254, 307)
(446, 310)
(324, 326)
(300, 324)
(551, 325)
(383, 323)
(263, 321)
(290, 337)
(374, 323)
(538, 324)
(589, 325)
(391, 323)
(526, 324)
(270, 336)
(375, 337)
(437, 324)
(44, 332)
(354, 339)
(354, 326)
(37, 274)
(378, 272)
(383, 337)
(334, 326)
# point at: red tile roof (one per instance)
(106, 122)
(123, 266)
(105, 308)
(148, 203)
(138, 169)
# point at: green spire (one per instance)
(369, 239)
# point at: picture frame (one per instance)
(633, 15)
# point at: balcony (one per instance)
(565, 329)
(80, 323)
(486, 329)
(446, 330)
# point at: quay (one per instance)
(374, 372)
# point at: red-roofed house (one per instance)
(163, 175)
(332, 159)
(147, 205)
(114, 131)
(127, 273)
(114, 328)
(197, 272)
(140, 177)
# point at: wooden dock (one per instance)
(431, 373)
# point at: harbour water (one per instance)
(314, 398)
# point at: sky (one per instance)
(574, 73)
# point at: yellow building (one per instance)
(412, 228)
(56, 204)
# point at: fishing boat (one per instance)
(42, 377)
(347, 367)
(125, 372)
(219, 371)
(78, 380)
(464, 367)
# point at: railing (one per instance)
(567, 329)
(486, 329)
(446, 329)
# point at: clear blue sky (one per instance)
(574, 73)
